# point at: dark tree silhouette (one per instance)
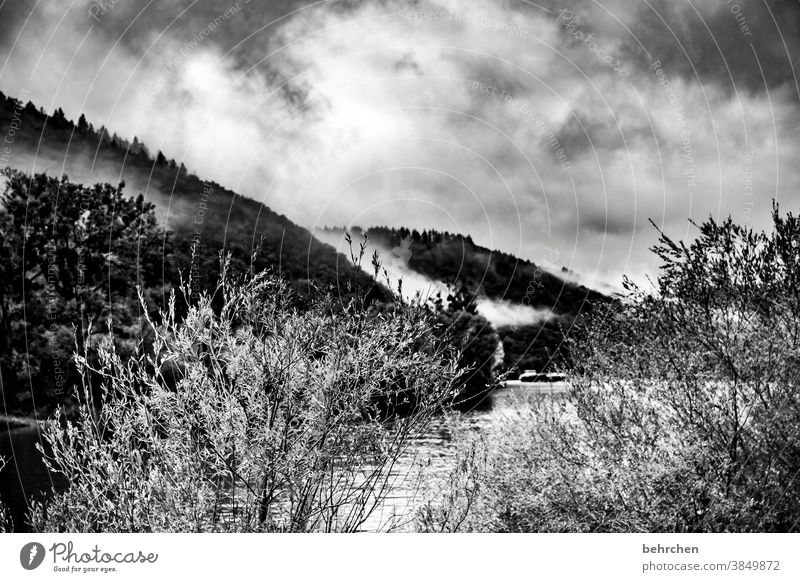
(70, 255)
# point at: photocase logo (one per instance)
(31, 555)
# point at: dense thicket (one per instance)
(74, 250)
(683, 413)
(70, 255)
(281, 420)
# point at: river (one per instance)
(437, 449)
(26, 476)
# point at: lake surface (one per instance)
(25, 474)
(437, 449)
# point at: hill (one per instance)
(542, 306)
(87, 220)
(201, 213)
(206, 216)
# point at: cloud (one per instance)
(507, 314)
(490, 118)
(396, 274)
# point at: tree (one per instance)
(475, 339)
(59, 119)
(104, 137)
(69, 254)
(683, 412)
(276, 422)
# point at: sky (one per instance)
(554, 131)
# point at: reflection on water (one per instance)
(435, 451)
(25, 475)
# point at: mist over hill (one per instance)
(531, 308)
(199, 213)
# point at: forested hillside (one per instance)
(95, 221)
(455, 260)
(198, 212)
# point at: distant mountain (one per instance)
(196, 211)
(531, 307)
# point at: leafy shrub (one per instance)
(683, 413)
(5, 520)
(255, 418)
(476, 341)
(69, 253)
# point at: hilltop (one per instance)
(512, 283)
(198, 212)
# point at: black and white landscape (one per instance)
(437, 266)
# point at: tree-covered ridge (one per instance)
(75, 251)
(200, 213)
(74, 255)
(456, 260)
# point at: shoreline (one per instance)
(9, 422)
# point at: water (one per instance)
(25, 475)
(436, 451)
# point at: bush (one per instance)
(5, 519)
(477, 343)
(69, 254)
(683, 413)
(255, 418)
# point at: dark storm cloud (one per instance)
(738, 44)
(136, 29)
(720, 41)
(135, 26)
(581, 132)
(12, 17)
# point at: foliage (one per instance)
(683, 413)
(124, 245)
(203, 216)
(254, 418)
(538, 346)
(5, 520)
(478, 271)
(68, 253)
(476, 340)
